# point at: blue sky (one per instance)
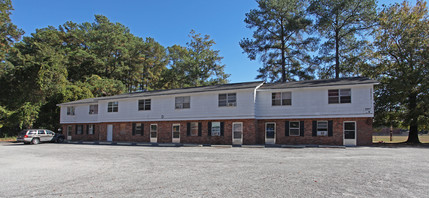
(167, 21)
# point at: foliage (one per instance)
(402, 52)
(279, 39)
(8, 31)
(340, 23)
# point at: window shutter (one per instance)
(221, 128)
(188, 129)
(287, 128)
(134, 128)
(87, 129)
(76, 129)
(301, 128)
(330, 128)
(210, 129)
(199, 128)
(314, 128)
(142, 127)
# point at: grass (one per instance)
(6, 139)
(397, 139)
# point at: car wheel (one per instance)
(35, 141)
(60, 140)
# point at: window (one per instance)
(228, 100)
(338, 96)
(294, 129)
(183, 102)
(49, 132)
(93, 109)
(70, 110)
(138, 129)
(41, 132)
(215, 129)
(322, 128)
(153, 130)
(112, 106)
(176, 131)
(270, 130)
(281, 99)
(194, 129)
(144, 105)
(90, 129)
(79, 129)
(349, 130)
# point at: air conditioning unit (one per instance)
(322, 133)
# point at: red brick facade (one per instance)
(253, 132)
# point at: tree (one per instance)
(402, 44)
(195, 65)
(339, 22)
(279, 39)
(8, 31)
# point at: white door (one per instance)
(349, 133)
(237, 133)
(69, 132)
(153, 133)
(176, 133)
(109, 132)
(270, 133)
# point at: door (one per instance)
(153, 133)
(176, 133)
(237, 133)
(349, 133)
(49, 135)
(69, 132)
(42, 135)
(270, 133)
(109, 132)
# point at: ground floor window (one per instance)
(153, 130)
(322, 128)
(176, 130)
(215, 128)
(138, 128)
(193, 129)
(294, 129)
(79, 129)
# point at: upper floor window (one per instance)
(93, 109)
(281, 98)
(338, 96)
(228, 100)
(112, 106)
(144, 105)
(183, 102)
(70, 110)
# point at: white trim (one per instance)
(235, 140)
(175, 140)
(270, 140)
(155, 139)
(349, 142)
(299, 128)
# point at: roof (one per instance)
(319, 83)
(223, 87)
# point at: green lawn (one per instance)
(396, 139)
(7, 139)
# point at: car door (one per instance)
(49, 135)
(42, 135)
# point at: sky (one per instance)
(167, 21)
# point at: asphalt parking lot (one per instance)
(78, 170)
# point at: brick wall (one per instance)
(253, 132)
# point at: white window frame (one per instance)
(111, 106)
(340, 95)
(181, 104)
(281, 98)
(299, 128)
(71, 111)
(215, 133)
(145, 102)
(94, 110)
(230, 100)
(233, 130)
(322, 132)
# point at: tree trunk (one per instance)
(283, 54)
(337, 56)
(413, 136)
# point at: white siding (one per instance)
(204, 106)
(313, 103)
(81, 115)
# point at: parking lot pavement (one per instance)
(80, 170)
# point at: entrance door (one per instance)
(176, 133)
(153, 133)
(69, 132)
(270, 133)
(349, 133)
(237, 133)
(109, 132)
